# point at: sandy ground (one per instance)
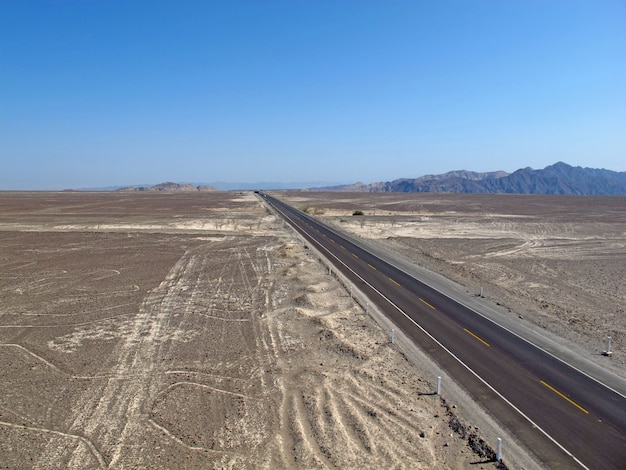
(556, 262)
(196, 331)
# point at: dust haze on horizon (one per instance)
(101, 94)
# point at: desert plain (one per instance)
(196, 330)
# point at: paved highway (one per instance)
(566, 418)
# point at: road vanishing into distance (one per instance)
(564, 417)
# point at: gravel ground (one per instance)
(196, 331)
(557, 262)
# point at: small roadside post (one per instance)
(499, 450)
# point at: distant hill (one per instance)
(169, 187)
(213, 186)
(267, 185)
(559, 178)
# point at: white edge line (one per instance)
(450, 352)
(479, 313)
(526, 340)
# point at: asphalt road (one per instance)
(566, 418)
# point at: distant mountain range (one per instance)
(170, 188)
(268, 185)
(559, 178)
(219, 185)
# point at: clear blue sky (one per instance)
(97, 93)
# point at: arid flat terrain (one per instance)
(557, 262)
(196, 331)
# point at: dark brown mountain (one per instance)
(559, 178)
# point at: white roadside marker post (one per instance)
(481, 292)
(438, 385)
(499, 450)
(350, 291)
(393, 336)
(367, 307)
(608, 351)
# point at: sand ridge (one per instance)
(558, 262)
(144, 333)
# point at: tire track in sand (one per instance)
(113, 416)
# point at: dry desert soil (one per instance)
(558, 262)
(196, 330)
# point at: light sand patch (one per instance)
(177, 337)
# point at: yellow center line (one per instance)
(342, 247)
(427, 304)
(395, 282)
(477, 337)
(355, 256)
(332, 240)
(371, 266)
(565, 397)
